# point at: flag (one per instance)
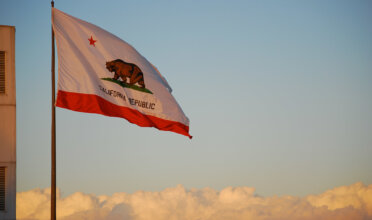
(100, 73)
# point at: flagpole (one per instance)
(53, 204)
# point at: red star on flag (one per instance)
(91, 41)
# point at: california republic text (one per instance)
(131, 101)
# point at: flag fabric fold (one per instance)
(100, 73)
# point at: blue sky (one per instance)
(278, 94)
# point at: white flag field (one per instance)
(100, 73)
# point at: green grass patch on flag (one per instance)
(126, 85)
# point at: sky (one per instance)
(278, 94)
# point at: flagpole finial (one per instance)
(52, 3)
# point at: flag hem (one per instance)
(91, 103)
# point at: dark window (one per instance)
(2, 188)
(2, 72)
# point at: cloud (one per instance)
(232, 203)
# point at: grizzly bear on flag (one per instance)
(126, 70)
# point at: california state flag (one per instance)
(100, 73)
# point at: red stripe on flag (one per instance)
(94, 104)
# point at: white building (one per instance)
(7, 124)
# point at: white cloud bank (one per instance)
(345, 202)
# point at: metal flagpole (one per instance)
(53, 203)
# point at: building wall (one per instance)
(8, 123)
